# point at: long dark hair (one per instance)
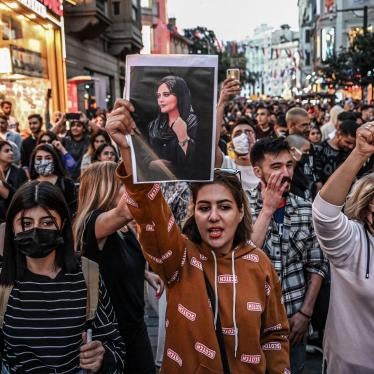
(230, 181)
(101, 132)
(178, 87)
(48, 133)
(59, 170)
(49, 197)
(100, 148)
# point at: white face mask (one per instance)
(241, 144)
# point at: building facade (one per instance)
(326, 26)
(257, 53)
(99, 35)
(273, 57)
(160, 33)
(32, 65)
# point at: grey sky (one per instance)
(233, 19)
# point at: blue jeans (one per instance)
(297, 357)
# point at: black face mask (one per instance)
(38, 243)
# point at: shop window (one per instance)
(24, 74)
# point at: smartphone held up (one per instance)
(233, 74)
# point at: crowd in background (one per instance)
(305, 141)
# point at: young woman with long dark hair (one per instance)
(45, 316)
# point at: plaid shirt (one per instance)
(292, 248)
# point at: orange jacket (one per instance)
(254, 321)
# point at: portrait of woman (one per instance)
(174, 104)
(172, 133)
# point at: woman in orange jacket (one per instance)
(225, 313)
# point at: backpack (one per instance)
(90, 271)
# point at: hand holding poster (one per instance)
(174, 97)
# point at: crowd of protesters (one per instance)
(244, 265)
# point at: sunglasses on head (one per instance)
(230, 171)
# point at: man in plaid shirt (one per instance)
(283, 228)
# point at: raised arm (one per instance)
(338, 185)
(163, 244)
(230, 88)
(336, 234)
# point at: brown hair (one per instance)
(98, 189)
(359, 198)
(230, 181)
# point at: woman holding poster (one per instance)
(224, 312)
(172, 133)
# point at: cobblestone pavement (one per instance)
(313, 364)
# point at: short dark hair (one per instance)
(98, 151)
(267, 146)
(365, 107)
(4, 142)
(58, 167)
(262, 106)
(49, 197)
(231, 181)
(37, 116)
(178, 87)
(348, 128)
(5, 102)
(3, 116)
(281, 119)
(243, 121)
(343, 116)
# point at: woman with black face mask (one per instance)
(45, 165)
(45, 293)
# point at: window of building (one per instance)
(134, 13)
(146, 3)
(116, 8)
(307, 36)
(307, 58)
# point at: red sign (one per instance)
(55, 6)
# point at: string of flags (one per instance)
(234, 48)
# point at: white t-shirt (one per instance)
(249, 180)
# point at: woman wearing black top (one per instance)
(45, 315)
(45, 165)
(172, 134)
(14, 175)
(101, 235)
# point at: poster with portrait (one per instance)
(174, 97)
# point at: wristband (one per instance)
(305, 315)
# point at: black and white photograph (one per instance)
(174, 99)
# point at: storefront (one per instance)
(32, 57)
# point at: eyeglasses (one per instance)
(34, 123)
(45, 141)
(230, 171)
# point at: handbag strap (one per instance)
(218, 329)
